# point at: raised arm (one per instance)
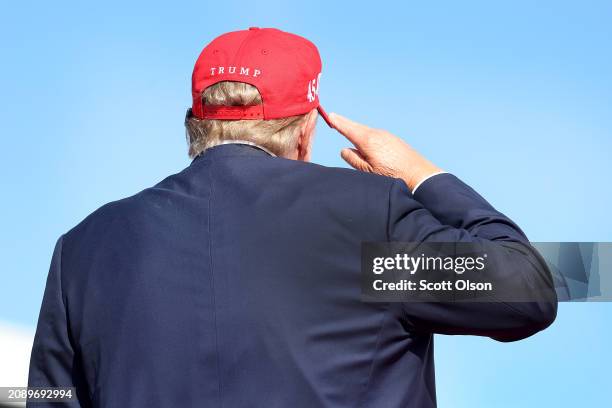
(444, 209)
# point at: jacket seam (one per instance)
(388, 228)
(366, 386)
(385, 315)
(212, 282)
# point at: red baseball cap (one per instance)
(284, 67)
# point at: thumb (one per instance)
(355, 159)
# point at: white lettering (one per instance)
(313, 88)
(246, 71)
(378, 269)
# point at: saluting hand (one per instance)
(378, 151)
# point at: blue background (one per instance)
(514, 98)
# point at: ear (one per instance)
(307, 130)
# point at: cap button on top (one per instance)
(253, 28)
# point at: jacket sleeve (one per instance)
(53, 362)
(444, 209)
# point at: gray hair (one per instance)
(280, 136)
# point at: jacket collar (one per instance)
(235, 148)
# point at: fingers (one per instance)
(355, 132)
(355, 159)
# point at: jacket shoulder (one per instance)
(350, 177)
(130, 207)
(104, 215)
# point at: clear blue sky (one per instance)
(515, 98)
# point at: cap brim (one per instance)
(324, 116)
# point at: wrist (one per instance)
(415, 178)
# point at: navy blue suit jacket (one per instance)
(236, 283)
